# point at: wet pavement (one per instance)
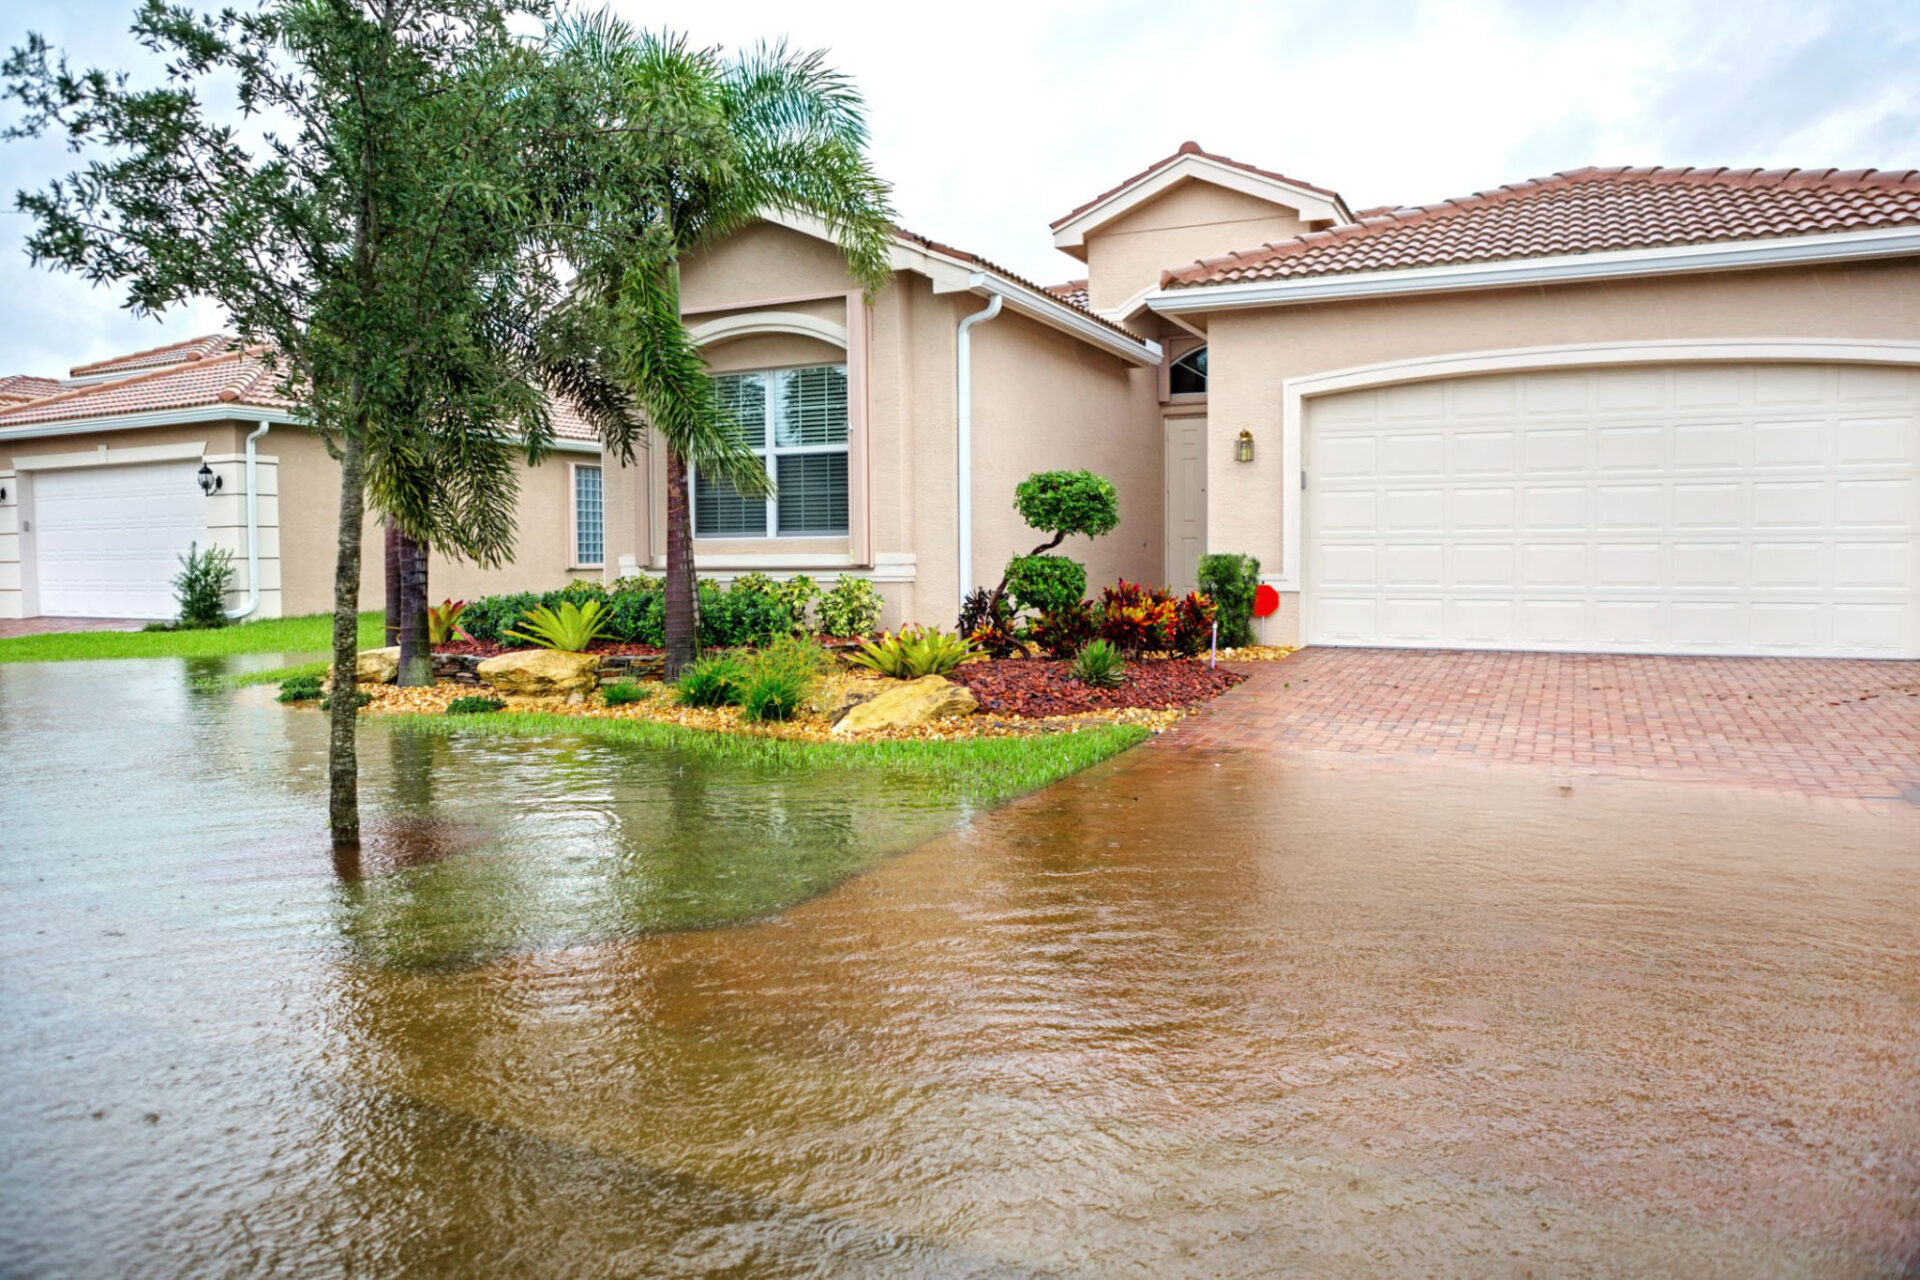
(10, 627)
(1193, 1012)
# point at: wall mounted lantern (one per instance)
(209, 482)
(1243, 447)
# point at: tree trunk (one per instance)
(682, 605)
(393, 584)
(343, 764)
(416, 651)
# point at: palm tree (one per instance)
(690, 148)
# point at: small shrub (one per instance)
(637, 611)
(624, 693)
(1136, 618)
(774, 693)
(749, 613)
(1046, 584)
(488, 619)
(987, 620)
(570, 628)
(201, 586)
(1100, 666)
(851, 607)
(799, 593)
(912, 652)
(443, 621)
(361, 698)
(1230, 581)
(583, 591)
(1065, 632)
(474, 705)
(713, 681)
(299, 689)
(1192, 630)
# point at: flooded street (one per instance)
(1187, 1013)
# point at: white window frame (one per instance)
(573, 516)
(770, 454)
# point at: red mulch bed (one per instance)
(1044, 687)
(483, 649)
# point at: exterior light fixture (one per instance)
(1243, 447)
(209, 482)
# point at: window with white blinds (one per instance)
(589, 517)
(796, 420)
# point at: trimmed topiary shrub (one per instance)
(1046, 584)
(1068, 502)
(1230, 581)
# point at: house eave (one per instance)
(1565, 269)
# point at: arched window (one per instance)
(1188, 374)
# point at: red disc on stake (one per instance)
(1265, 601)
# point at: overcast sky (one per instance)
(994, 117)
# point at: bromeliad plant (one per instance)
(443, 622)
(569, 628)
(912, 652)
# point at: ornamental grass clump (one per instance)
(475, 706)
(1100, 666)
(625, 693)
(913, 652)
(716, 680)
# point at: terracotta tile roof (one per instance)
(1073, 293)
(1191, 149)
(212, 344)
(568, 424)
(232, 382)
(19, 387)
(1584, 211)
(926, 242)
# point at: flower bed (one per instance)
(1044, 687)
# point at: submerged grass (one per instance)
(980, 771)
(312, 633)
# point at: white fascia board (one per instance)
(575, 446)
(197, 415)
(1037, 304)
(1565, 269)
(1312, 206)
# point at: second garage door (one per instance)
(1725, 509)
(110, 538)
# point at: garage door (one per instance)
(110, 538)
(1727, 509)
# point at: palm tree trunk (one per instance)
(343, 763)
(416, 654)
(393, 584)
(682, 618)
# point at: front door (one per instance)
(1186, 466)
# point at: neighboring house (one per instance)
(1634, 410)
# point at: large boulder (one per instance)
(377, 666)
(905, 705)
(542, 673)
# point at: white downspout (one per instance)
(963, 382)
(253, 527)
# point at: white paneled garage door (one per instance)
(109, 539)
(1730, 509)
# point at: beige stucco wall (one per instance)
(1253, 353)
(1187, 222)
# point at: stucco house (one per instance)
(1629, 410)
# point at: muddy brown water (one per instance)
(1183, 1014)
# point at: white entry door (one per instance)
(1722, 509)
(1186, 510)
(110, 539)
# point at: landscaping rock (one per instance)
(903, 706)
(377, 666)
(542, 673)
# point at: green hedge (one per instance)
(753, 611)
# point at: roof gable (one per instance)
(1189, 164)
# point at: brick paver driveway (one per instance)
(1835, 728)
(10, 627)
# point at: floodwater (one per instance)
(1183, 1014)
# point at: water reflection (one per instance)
(1174, 1016)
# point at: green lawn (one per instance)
(980, 771)
(310, 634)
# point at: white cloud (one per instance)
(994, 118)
